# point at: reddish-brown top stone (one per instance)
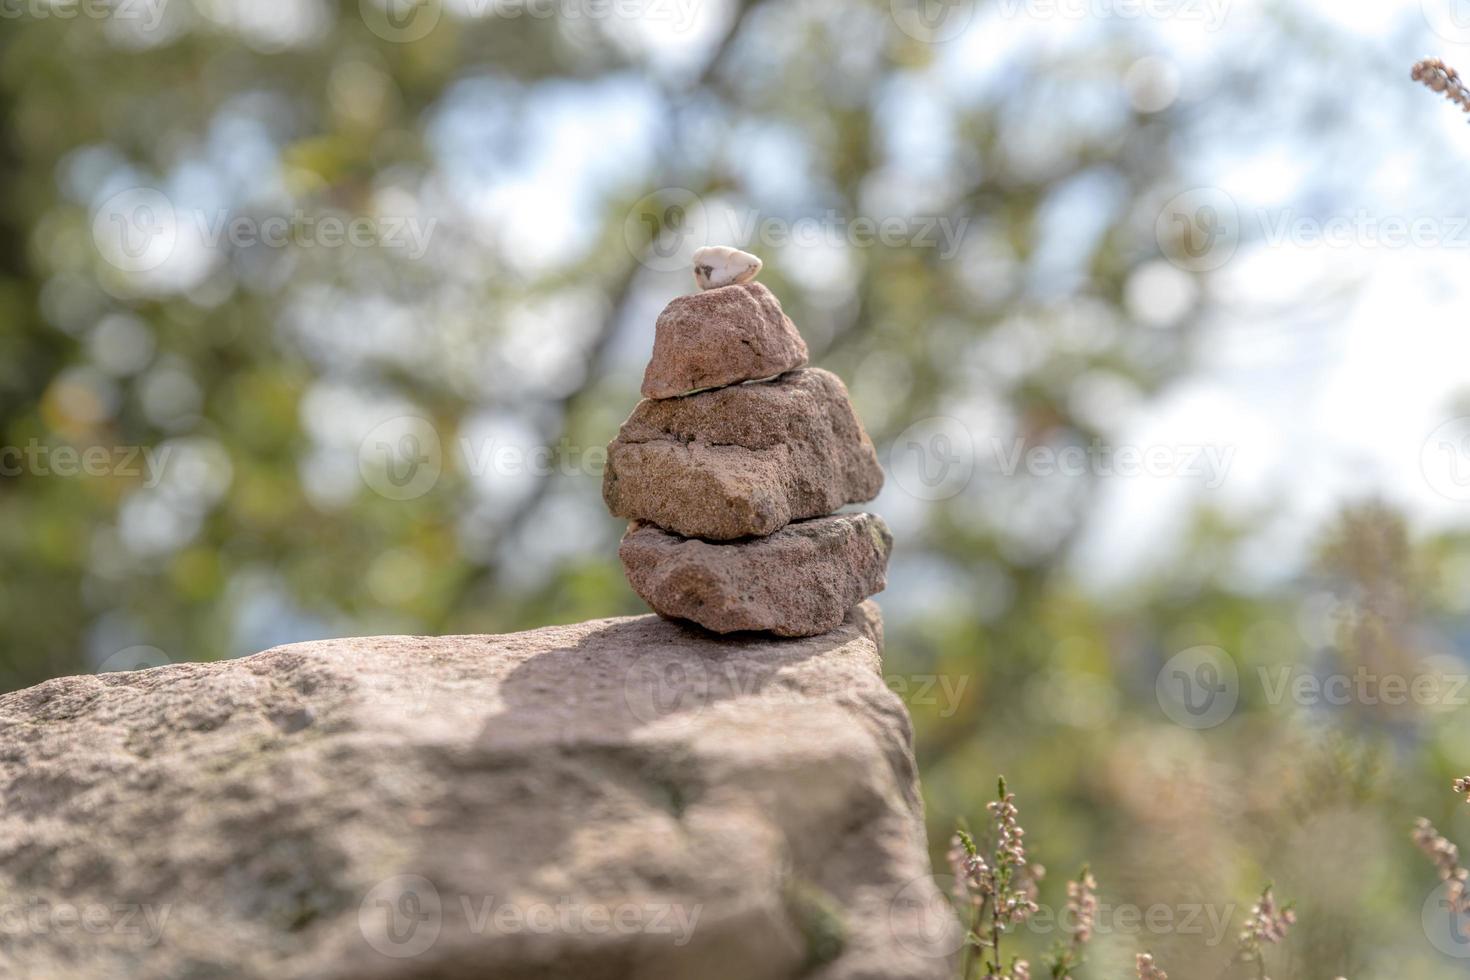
(721, 337)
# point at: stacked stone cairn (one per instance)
(732, 466)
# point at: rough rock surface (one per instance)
(800, 581)
(623, 798)
(721, 337)
(742, 461)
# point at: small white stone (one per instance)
(721, 265)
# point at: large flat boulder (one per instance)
(742, 461)
(622, 798)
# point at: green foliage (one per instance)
(1048, 681)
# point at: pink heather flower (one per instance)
(1082, 905)
(973, 879)
(1266, 924)
(1147, 970)
(1016, 900)
(1008, 831)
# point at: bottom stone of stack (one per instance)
(799, 581)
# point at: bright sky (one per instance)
(1349, 396)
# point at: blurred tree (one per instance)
(326, 424)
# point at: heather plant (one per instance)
(996, 889)
(1446, 856)
(1267, 925)
(1437, 76)
(1082, 914)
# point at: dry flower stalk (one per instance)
(1439, 77)
(1446, 856)
(995, 889)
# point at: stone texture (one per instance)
(721, 265)
(742, 461)
(721, 337)
(260, 818)
(800, 581)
